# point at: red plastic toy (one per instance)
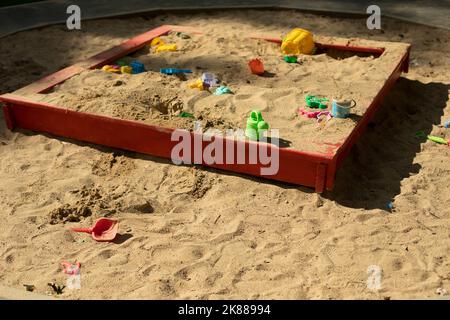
(103, 230)
(256, 66)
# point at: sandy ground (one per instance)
(189, 232)
(154, 98)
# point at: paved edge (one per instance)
(39, 14)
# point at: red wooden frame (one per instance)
(315, 170)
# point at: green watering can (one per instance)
(255, 126)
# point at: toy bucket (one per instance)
(341, 109)
(256, 66)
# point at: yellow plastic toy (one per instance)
(156, 42)
(126, 69)
(162, 46)
(197, 84)
(166, 47)
(110, 68)
(298, 41)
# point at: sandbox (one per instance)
(139, 112)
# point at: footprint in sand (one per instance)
(397, 264)
(9, 258)
(275, 94)
(192, 102)
(195, 271)
(234, 229)
(212, 278)
(242, 96)
(106, 254)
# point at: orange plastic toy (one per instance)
(103, 230)
(256, 66)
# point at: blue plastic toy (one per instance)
(222, 90)
(341, 109)
(171, 71)
(447, 124)
(390, 205)
(137, 67)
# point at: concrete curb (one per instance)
(33, 15)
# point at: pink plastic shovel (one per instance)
(103, 230)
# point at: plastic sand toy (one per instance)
(166, 47)
(342, 109)
(447, 124)
(315, 114)
(256, 66)
(298, 41)
(390, 205)
(156, 42)
(421, 134)
(308, 114)
(126, 69)
(314, 102)
(183, 35)
(198, 84)
(326, 114)
(222, 90)
(290, 59)
(210, 80)
(103, 230)
(171, 71)
(162, 46)
(184, 114)
(255, 126)
(120, 63)
(117, 69)
(110, 68)
(137, 67)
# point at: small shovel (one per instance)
(421, 134)
(103, 230)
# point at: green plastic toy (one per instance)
(290, 59)
(314, 102)
(255, 126)
(120, 63)
(440, 140)
(184, 114)
(183, 35)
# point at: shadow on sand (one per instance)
(371, 175)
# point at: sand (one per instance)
(191, 232)
(155, 98)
